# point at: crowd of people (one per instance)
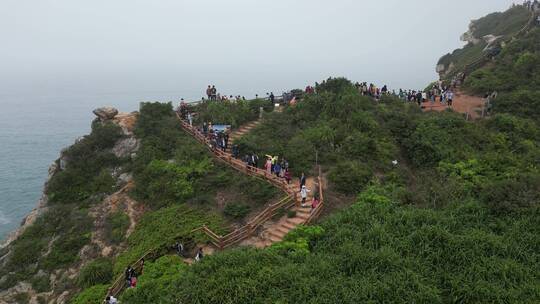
(437, 92)
(212, 94)
(219, 139)
(273, 164)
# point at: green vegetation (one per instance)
(160, 228)
(433, 149)
(477, 241)
(99, 271)
(92, 295)
(41, 283)
(88, 164)
(231, 113)
(236, 211)
(157, 279)
(172, 167)
(116, 225)
(376, 251)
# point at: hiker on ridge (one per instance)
(209, 92)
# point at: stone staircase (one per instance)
(243, 130)
(276, 231)
(272, 231)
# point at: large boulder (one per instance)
(105, 113)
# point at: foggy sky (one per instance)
(241, 46)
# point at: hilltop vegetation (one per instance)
(455, 221)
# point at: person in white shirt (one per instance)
(190, 119)
(111, 300)
(303, 194)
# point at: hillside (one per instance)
(415, 207)
(454, 220)
(485, 37)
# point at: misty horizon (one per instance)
(244, 48)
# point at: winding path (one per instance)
(262, 230)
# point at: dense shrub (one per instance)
(350, 177)
(41, 283)
(116, 225)
(509, 195)
(98, 271)
(92, 295)
(88, 164)
(231, 113)
(160, 228)
(375, 251)
(236, 211)
(157, 280)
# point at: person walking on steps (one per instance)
(127, 274)
(314, 203)
(111, 300)
(190, 119)
(179, 248)
(302, 180)
(303, 194)
(254, 160)
(199, 255)
(287, 176)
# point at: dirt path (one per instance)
(463, 103)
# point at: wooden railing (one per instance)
(244, 232)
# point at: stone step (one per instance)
(278, 233)
(303, 210)
(283, 229)
(289, 226)
(295, 221)
(302, 215)
(274, 239)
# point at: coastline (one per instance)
(31, 217)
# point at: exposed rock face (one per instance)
(125, 178)
(126, 147)
(126, 121)
(491, 41)
(105, 113)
